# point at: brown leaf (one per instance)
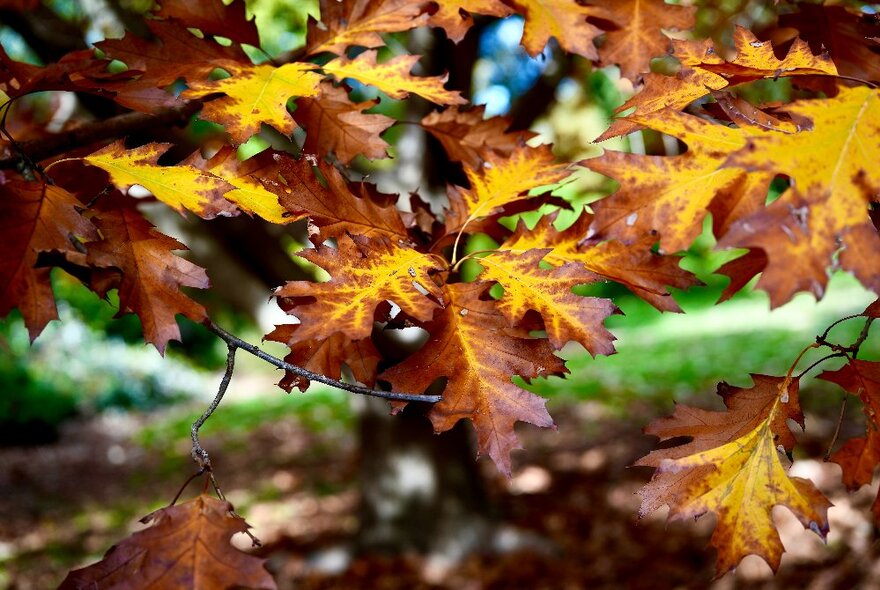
(472, 346)
(186, 547)
(454, 16)
(564, 20)
(140, 263)
(35, 218)
(325, 357)
(310, 188)
(470, 139)
(360, 22)
(335, 124)
(213, 18)
(639, 33)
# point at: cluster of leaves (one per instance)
(398, 268)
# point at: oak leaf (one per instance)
(138, 260)
(639, 33)
(361, 22)
(455, 18)
(393, 77)
(637, 266)
(470, 139)
(834, 176)
(364, 273)
(180, 187)
(566, 316)
(335, 124)
(187, 546)
(472, 346)
(35, 218)
(562, 19)
(256, 94)
(500, 181)
(731, 468)
(326, 357)
(313, 189)
(703, 70)
(214, 18)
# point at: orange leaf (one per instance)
(566, 20)
(454, 16)
(704, 70)
(471, 345)
(364, 273)
(256, 94)
(35, 218)
(139, 262)
(334, 124)
(393, 77)
(187, 546)
(731, 468)
(214, 18)
(566, 316)
(639, 36)
(361, 22)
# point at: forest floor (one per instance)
(294, 479)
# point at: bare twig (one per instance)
(837, 430)
(199, 454)
(235, 342)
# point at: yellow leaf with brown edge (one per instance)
(502, 180)
(393, 77)
(636, 265)
(731, 468)
(567, 317)
(186, 546)
(704, 70)
(364, 273)
(835, 180)
(256, 94)
(472, 345)
(670, 196)
(180, 187)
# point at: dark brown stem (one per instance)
(837, 430)
(199, 454)
(115, 127)
(186, 483)
(235, 342)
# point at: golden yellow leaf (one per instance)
(393, 77)
(180, 187)
(566, 316)
(256, 94)
(502, 180)
(364, 273)
(455, 16)
(635, 265)
(362, 22)
(731, 468)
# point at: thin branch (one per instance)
(862, 337)
(837, 430)
(820, 361)
(119, 126)
(821, 339)
(199, 454)
(235, 342)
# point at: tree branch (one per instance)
(119, 126)
(235, 342)
(199, 454)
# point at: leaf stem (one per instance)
(235, 342)
(199, 454)
(837, 429)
